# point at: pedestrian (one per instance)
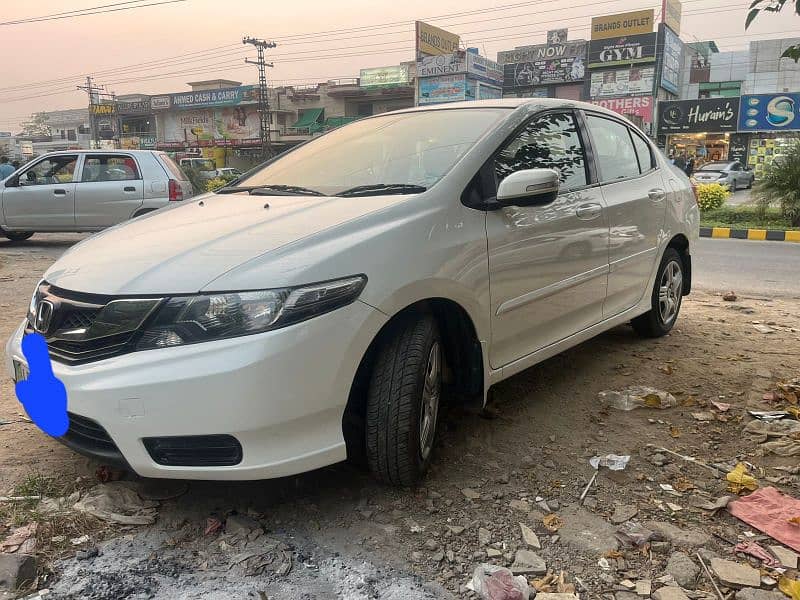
(5, 167)
(680, 161)
(16, 164)
(690, 166)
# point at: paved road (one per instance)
(739, 198)
(747, 267)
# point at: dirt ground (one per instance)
(526, 458)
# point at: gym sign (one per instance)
(625, 50)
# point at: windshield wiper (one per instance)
(380, 189)
(271, 189)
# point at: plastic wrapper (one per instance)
(491, 582)
(637, 396)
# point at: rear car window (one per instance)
(109, 167)
(174, 169)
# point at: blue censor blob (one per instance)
(43, 396)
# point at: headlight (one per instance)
(207, 317)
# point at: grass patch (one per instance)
(745, 217)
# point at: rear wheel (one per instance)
(17, 236)
(403, 401)
(665, 299)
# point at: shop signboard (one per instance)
(26, 148)
(707, 115)
(137, 142)
(220, 97)
(623, 50)
(442, 64)
(160, 102)
(484, 69)
(444, 88)
(5, 134)
(477, 90)
(672, 60)
(557, 36)
(211, 125)
(623, 24)
(384, 76)
(638, 106)
(432, 41)
(737, 147)
(544, 64)
(138, 107)
(101, 109)
(770, 112)
(636, 81)
(671, 12)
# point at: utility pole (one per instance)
(264, 112)
(95, 92)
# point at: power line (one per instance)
(55, 16)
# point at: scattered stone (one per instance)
(241, 524)
(520, 505)
(658, 459)
(644, 587)
(450, 556)
(456, 529)
(526, 561)
(735, 575)
(493, 552)
(412, 525)
(754, 594)
(529, 537)
(484, 536)
(670, 593)
(623, 512)
(626, 596)
(786, 556)
(683, 569)
(678, 536)
(437, 556)
(16, 570)
(470, 494)
(87, 554)
(431, 544)
(554, 596)
(416, 556)
(660, 547)
(730, 296)
(586, 531)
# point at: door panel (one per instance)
(548, 264)
(45, 198)
(110, 190)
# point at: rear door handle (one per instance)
(656, 194)
(129, 188)
(587, 212)
(60, 192)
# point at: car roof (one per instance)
(97, 151)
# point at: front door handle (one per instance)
(129, 188)
(656, 194)
(60, 192)
(587, 212)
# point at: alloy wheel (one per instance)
(429, 408)
(669, 292)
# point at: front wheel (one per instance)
(17, 236)
(665, 299)
(403, 401)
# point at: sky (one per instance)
(158, 49)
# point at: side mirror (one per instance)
(529, 187)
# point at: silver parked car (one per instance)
(87, 190)
(730, 174)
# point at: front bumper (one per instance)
(280, 394)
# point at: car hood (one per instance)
(181, 250)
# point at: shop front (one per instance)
(137, 124)
(773, 124)
(701, 129)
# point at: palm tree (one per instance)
(780, 185)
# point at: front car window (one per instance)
(613, 149)
(550, 141)
(415, 148)
(52, 170)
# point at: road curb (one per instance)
(769, 235)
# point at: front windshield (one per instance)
(405, 149)
(715, 166)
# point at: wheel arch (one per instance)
(681, 243)
(464, 364)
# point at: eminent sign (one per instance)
(625, 50)
(442, 64)
(707, 115)
(432, 41)
(543, 64)
(384, 76)
(770, 112)
(630, 23)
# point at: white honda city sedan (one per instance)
(325, 306)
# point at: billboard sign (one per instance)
(639, 106)
(384, 76)
(615, 26)
(160, 102)
(770, 112)
(707, 115)
(557, 36)
(138, 107)
(444, 88)
(212, 125)
(101, 109)
(432, 41)
(484, 69)
(624, 50)
(671, 12)
(442, 64)
(544, 64)
(672, 60)
(220, 97)
(636, 81)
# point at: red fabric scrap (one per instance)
(753, 549)
(769, 510)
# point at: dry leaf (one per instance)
(675, 432)
(553, 522)
(739, 480)
(683, 485)
(794, 521)
(668, 369)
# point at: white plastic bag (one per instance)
(491, 582)
(637, 396)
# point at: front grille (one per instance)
(90, 433)
(79, 319)
(195, 450)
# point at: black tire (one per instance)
(657, 322)
(396, 452)
(749, 185)
(17, 236)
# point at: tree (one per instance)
(757, 6)
(781, 184)
(37, 126)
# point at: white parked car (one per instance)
(729, 174)
(228, 172)
(87, 190)
(327, 304)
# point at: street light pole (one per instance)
(264, 112)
